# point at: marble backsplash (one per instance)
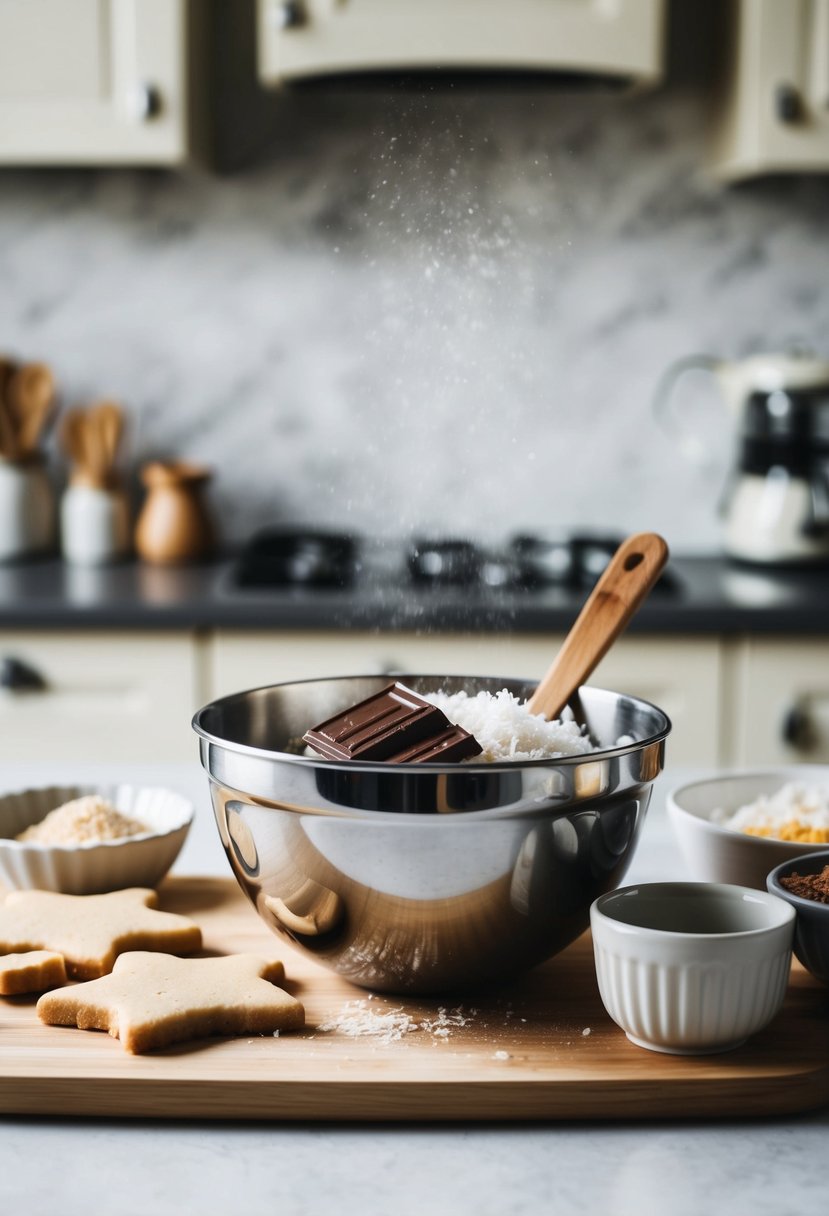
(438, 313)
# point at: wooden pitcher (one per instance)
(174, 524)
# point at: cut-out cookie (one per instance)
(152, 1000)
(34, 971)
(90, 931)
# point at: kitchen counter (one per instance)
(769, 1167)
(705, 595)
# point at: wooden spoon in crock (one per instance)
(628, 577)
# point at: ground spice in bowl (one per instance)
(809, 886)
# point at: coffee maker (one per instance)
(776, 506)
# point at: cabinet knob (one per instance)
(788, 105)
(797, 729)
(288, 14)
(17, 676)
(144, 102)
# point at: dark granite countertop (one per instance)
(707, 595)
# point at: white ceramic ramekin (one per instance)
(691, 968)
(87, 869)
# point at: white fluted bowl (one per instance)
(88, 869)
(714, 853)
(691, 968)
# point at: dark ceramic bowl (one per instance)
(811, 933)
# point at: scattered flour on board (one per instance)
(356, 1020)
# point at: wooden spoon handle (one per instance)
(624, 584)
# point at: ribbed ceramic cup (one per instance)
(691, 968)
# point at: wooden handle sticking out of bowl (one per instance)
(624, 584)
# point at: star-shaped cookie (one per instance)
(90, 931)
(152, 1000)
(33, 971)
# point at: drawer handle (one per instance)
(797, 729)
(17, 676)
(788, 104)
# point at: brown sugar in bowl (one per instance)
(811, 930)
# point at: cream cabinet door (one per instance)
(299, 38)
(96, 81)
(682, 676)
(782, 701)
(103, 697)
(771, 113)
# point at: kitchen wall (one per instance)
(443, 312)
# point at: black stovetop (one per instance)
(296, 557)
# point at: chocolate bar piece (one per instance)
(395, 725)
(374, 729)
(451, 745)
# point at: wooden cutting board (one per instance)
(542, 1048)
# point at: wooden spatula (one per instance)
(30, 395)
(623, 586)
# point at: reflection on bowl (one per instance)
(717, 854)
(424, 878)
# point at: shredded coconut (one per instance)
(796, 812)
(83, 821)
(356, 1021)
(506, 730)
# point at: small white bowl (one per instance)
(714, 853)
(691, 968)
(88, 869)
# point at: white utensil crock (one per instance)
(94, 524)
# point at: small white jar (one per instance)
(27, 509)
(94, 524)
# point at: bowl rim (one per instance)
(245, 749)
(775, 887)
(654, 933)
(86, 846)
(785, 774)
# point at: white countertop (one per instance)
(769, 1167)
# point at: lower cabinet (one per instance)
(129, 696)
(781, 701)
(107, 696)
(682, 677)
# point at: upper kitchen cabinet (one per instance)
(620, 39)
(99, 81)
(771, 113)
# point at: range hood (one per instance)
(614, 41)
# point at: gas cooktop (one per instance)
(278, 558)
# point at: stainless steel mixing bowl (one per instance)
(424, 878)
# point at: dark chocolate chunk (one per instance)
(395, 725)
(449, 746)
(376, 729)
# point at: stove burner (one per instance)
(444, 562)
(576, 561)
(573, 561)
(285, 558)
